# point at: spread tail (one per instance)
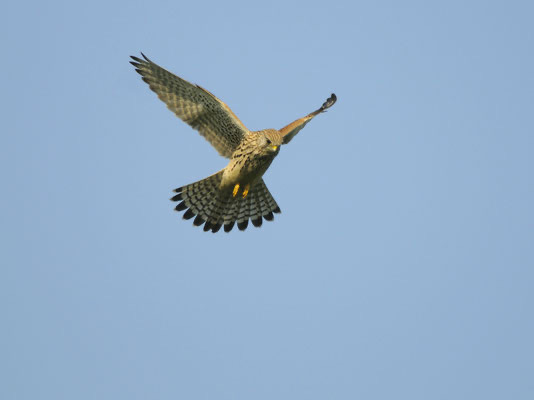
(214, 207)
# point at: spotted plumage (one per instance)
(237, 193)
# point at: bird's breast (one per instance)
(246, 169)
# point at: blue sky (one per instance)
(401, 265)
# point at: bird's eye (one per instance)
(268, 141)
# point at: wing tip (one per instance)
(329, 102)
(145, 57)
(138, 60)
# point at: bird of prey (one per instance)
(237, 193)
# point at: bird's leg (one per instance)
(245, 191)
(236, 189)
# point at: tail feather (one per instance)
(229, 215)
(256, 210)
(267, 203)
(197, 196)
(244, 213)
(214, 208)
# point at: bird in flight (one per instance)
(237, 193)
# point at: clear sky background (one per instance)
(401, 266)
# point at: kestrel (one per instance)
(236, 193)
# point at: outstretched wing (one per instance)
(289, 131)
(195, 106)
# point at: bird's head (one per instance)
(270, 141)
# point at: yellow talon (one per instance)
(236, 189)
(245, 191)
